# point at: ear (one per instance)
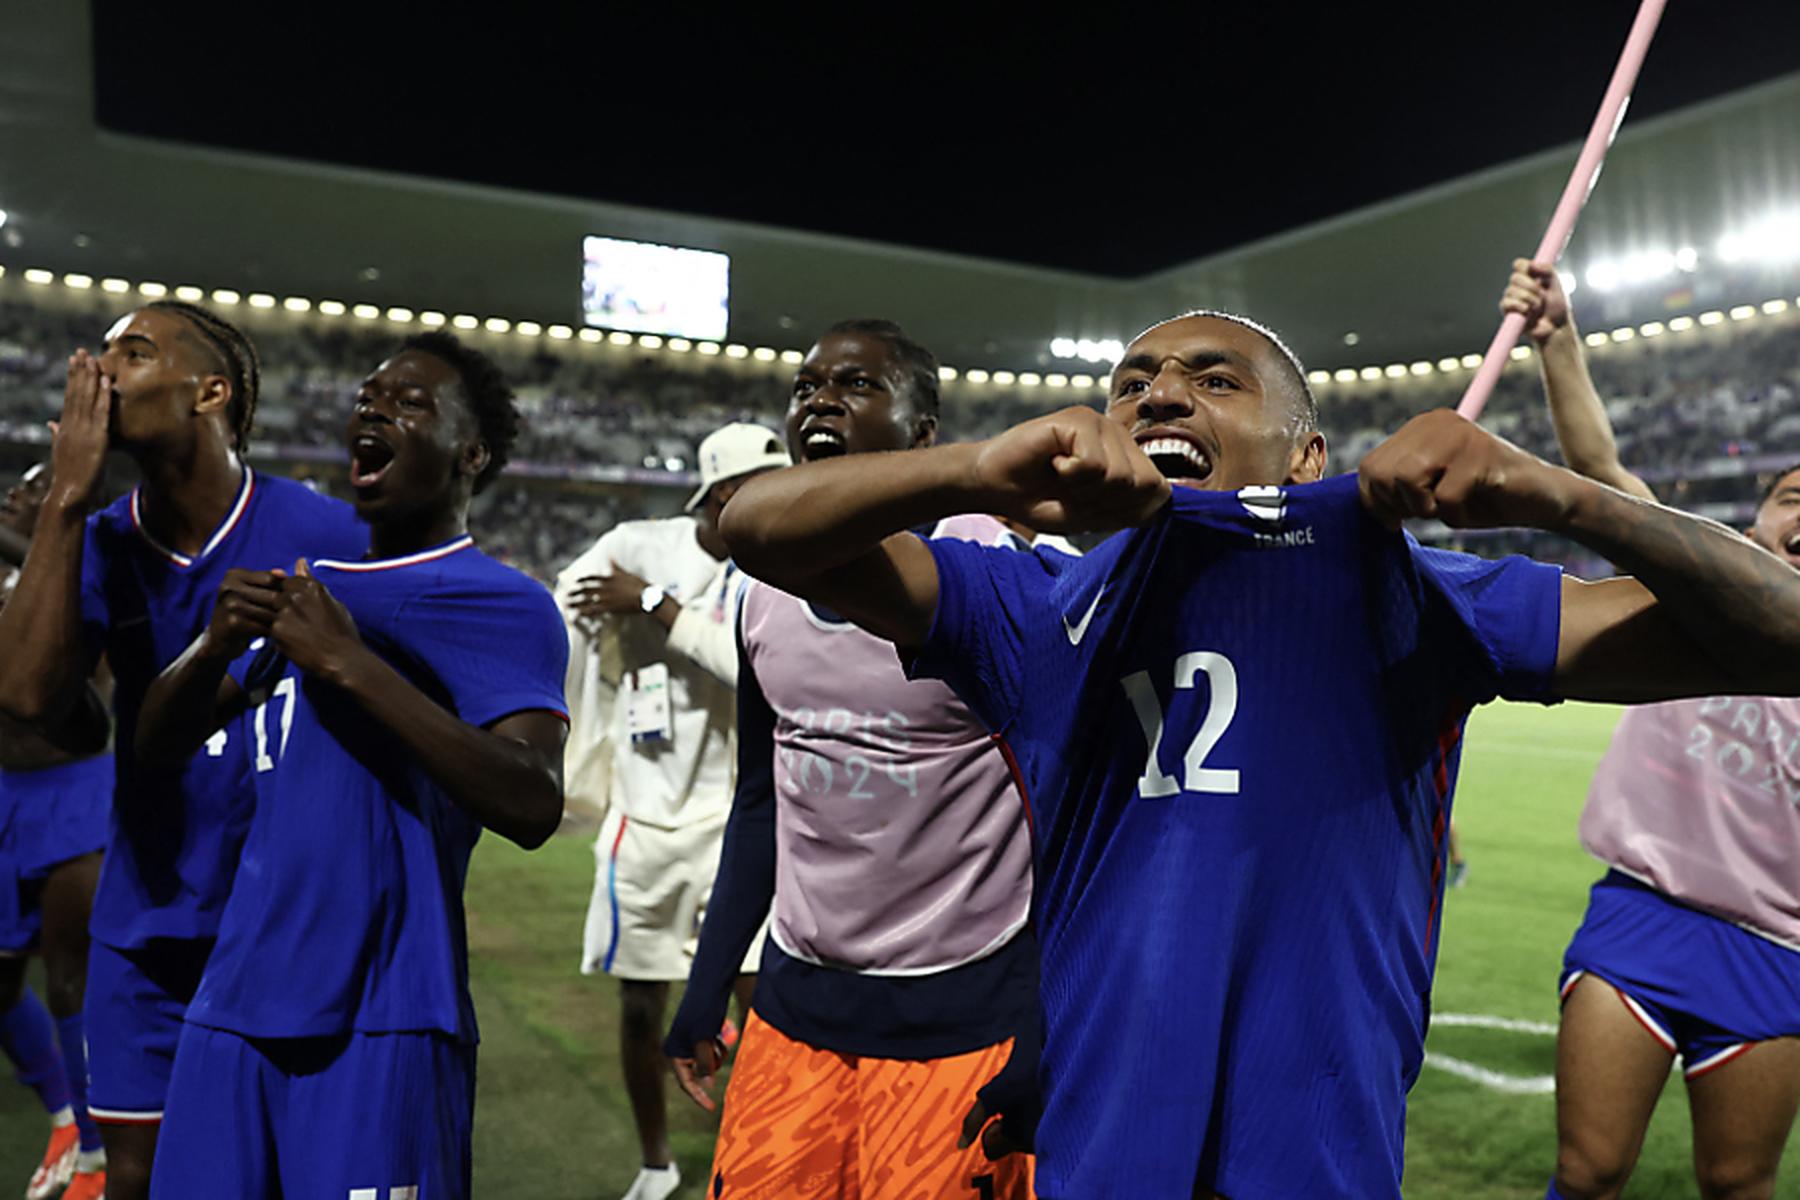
(475, 458)
(925, 431)
(215, 395)
(1307, 462)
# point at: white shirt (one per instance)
(689, 776)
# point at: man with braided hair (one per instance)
(175, 389)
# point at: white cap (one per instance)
(737, 449)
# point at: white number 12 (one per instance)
(1196, 776)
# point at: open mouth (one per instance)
(1791, 546)
(1180, 460)
(370, 458)
(822, 442)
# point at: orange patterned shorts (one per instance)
(806, 1124)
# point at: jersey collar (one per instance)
(238, 507)
(405, 560)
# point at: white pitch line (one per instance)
(1483, 1021)
(1514, 1085)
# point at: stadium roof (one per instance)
(1412, 277)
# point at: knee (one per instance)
(1583, 1174)
(1735, 1177)
(65, 980)
(127, 1177)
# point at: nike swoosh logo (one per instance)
(1079, 630)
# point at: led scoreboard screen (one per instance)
(647, 288)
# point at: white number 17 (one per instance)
(260, 722)
(1221, 679)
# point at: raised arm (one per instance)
(832, 531)
(1583, 432)
(1708, 613)
(44, 672)
(508, 775)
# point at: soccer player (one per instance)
(175, 389)
(1691, 944)
(879, 829)
(1238, 726)
(397, 704)
(652, 610)
(53, 822)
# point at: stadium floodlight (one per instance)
(1318, 377)
(1370, 373)
(1775, 306)
(465, 321)
(679, 345)
(1062, 347)
(1092, 350)
(1687, 259)
(432, 319)
(946, 373)
(1056, 380)
(333, 308)
(735, 350)
(261, 300)
(1420, 368)
(793, 358)
(1643, 266)
(763, 354)
(528, 329)
(1680, 324)
(1004, 378)
(400, 316)
(1623, 333)
(1451, 363)
(619, 337)
(1520, 353)
(78, 281)
(152, 289)
(2, 218)
(1470, 361)
(591, 336)
(297, 304)
(225, 296)
(39, 276)
(1085, 381)
(976, 376)
(1771, 239)
(116, 286)
(650, 341)
(1742, 312)
(1568, 281)
(1395, 370)
(561, 333)
(1651, 329)
(1595, 339)
(710, 349)
(1713, 317)
(1344, 375)
(365, 312)
(190, 293)
(497, 325)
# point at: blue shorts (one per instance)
(134, 1005)
(1704, 988)
(371, 1116)
(47, 817)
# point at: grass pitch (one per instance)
(552, 1121)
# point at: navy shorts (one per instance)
(47, 817)
(1700, 985)
(369, 1116)
(133, 1009)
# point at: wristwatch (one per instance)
(651, 598)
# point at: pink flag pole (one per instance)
(1580, 186)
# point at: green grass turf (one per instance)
(552, 1121)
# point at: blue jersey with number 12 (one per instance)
(1238, 728)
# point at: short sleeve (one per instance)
(1508, 611)
(496, 650)
(987, 598)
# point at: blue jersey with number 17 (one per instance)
(1237, 728)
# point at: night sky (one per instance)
(1115, 141)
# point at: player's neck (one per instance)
(711, 542)
(399, 536)
(184, 496)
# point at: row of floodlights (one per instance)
(1625, 333)
(501, 325)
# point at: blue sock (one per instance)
(29, 1039)
(1553, 1194)
(73, 1036)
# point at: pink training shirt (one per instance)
(901, 843)
(1701, 799)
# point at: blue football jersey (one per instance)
(175, 835)
(1237, 729)
(347, 914)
